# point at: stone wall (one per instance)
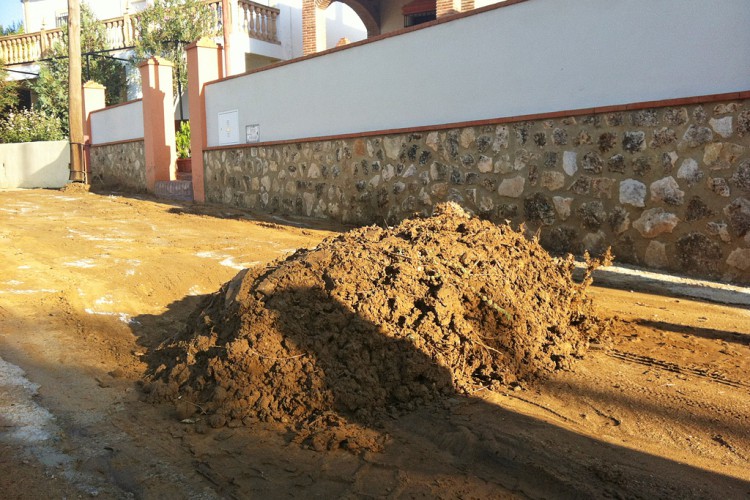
(120, 164)
(665, 187)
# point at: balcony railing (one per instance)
(256, 20)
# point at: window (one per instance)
(418, 12)
(418, 18)
(61, 19)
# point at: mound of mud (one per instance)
(376, 322)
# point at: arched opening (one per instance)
(315, 22)
(343, 25)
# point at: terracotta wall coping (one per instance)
(116, 106)
(115, 143)
(682, 101)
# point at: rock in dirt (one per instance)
(376, 322)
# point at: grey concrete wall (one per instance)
(34, 164)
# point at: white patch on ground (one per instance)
(65, 198)
(83, 263)
(28, 292)
(287, 250)
(195, 290)
(226, 260)
(124, 317)
(91, 237)
(13, 282)
(107, 299)
(22, 420)
(24, 267)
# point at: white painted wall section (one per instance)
(117, 123)
(34, 164)
(533, 57)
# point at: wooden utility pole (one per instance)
(75, 98)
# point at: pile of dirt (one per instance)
(375, 322)
(75, 188)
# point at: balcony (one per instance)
(255, 20)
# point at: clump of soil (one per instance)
(375, 322)
(75, 187)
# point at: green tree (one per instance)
(167, 26)
(52, 85)
(8, 90)
(15, 28)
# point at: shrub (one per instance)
(30, 126)
(182, 140)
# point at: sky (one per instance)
(10, 11)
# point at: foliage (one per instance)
(15, 28)
(182, 140)
(167, 26)
(29, 125)
(8, 89)
(52, 84)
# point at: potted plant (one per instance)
(182, 141)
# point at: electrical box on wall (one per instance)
(252, 133)
(229, 128)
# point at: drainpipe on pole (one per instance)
(226, 24)
(75, 91)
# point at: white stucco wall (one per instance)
(34, 164)
(118, 123)
(536, 56)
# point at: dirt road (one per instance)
(90, 282)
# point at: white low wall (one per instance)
(34, 164)
(123, 122)
(532, 57)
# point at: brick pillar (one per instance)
(447, 7)
(467, 5)
(313, 27)
(204, 64)
(158, 121)
(93, 99)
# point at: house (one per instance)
(258, 34)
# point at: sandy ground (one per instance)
(90, 282)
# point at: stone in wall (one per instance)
(722, 155)
(634, 141)
(654, 222)
(511, 188)
(570, 162)
(616, 164)
(607, 141)
(656, 255)
(591, 162)
(552, 180)
(719, 186)
(619, 220)
(562, 206)
(539, 210)
(719, 229)
(561, 240)
(592, 214)
(602, 187)
(695, 136)
(667, 190)
(633, 192)
(690, 171)
(663, 137)
(595, 243)
(740, 259)
(722, 126)
(697, 210)
(741, 177)
(697, 252)
(738, 216)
